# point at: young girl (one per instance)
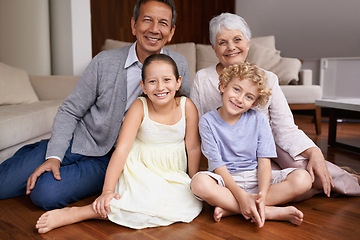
(238, 143)
(146, 184)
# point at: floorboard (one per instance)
(337, 217)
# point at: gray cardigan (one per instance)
(93, 113)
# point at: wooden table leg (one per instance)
(332, 126)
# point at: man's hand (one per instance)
(317, 166)
(51, 165)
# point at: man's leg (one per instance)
(81, 177)
(15, 171)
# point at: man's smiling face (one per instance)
(152, 28)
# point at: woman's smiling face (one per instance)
(231, 47)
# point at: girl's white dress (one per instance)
(154, 186)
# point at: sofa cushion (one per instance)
(262, 56)
(112, 44)
(266, 41)
(301, 94)
(205, 56)
(22, 122)
(15, 86)
(287, 71)
(189, 52)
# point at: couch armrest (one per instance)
(53, 87)
(305, 77)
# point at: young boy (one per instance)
(238, 143)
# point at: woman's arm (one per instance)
(192, 141)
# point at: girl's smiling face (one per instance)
(160, 83)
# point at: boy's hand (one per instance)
(50, 165)
(249, 207)
(101, 205)
(260, 202)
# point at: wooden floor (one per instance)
(337, 217)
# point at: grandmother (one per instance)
(230, 38)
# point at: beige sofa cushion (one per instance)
(19, 123)
(266, 41)
(301, 94)
(15, 86)
(205, 56)
(287, 71)
(263, 56)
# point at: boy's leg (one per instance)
(65, 216)
(295, 184)
(81, 177)
(15, 171)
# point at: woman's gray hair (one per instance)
(230, 21)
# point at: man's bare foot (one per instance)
(290, 213)
(55, 218)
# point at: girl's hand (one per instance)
(249, 207)
(101, 205)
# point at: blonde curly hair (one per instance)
(251, 72)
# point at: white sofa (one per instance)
(28, 104)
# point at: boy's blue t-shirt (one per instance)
(237, 146)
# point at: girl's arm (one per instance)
(116, 165)
(264, 177)
(192, 140)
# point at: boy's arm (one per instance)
(246, 201)
(192, 141)
(264, 177)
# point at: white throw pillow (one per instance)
(287, 71)
(15, 86)
(266, 41)
(262, 56)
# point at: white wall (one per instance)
(24, 35)
(306, 29)
(70, 36)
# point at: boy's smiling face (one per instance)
(238, 96)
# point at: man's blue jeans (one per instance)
(81, 177)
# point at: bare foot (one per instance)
(290, 213)
(55, 218)
(220, 213)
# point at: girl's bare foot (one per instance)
(290, 213)
(54, 219)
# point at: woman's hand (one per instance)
(101, 205)
(317, 166)
(50, 165)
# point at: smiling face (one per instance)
(231, 47)
(160, 83)
(152, 28)
(238, 96)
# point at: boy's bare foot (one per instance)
(55, 218)
(290, 213)
(220, 213)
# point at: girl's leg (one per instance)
(295, 184)
(65, 216)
